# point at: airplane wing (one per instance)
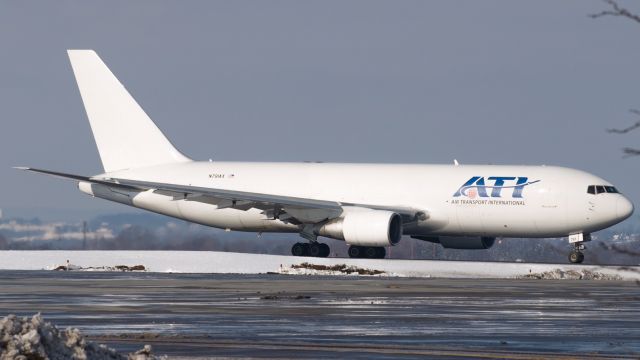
(286, 208)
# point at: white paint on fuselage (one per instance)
(557, 205)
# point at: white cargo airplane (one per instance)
(369, 206)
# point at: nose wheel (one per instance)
(576, 256)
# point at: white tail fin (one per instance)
(126, 137)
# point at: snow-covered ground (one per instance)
(237, 263)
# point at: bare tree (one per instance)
(617, 10)
(620, 250)
(627, 129)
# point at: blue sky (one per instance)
(500, 82)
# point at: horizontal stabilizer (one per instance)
(75, 177)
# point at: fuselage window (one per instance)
(591, 189)
(600, 189)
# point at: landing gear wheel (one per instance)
(299, 249)
(576, 257)
(355, 251)
(371, 252)
(324, 250)
(315, 250)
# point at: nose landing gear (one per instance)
(576, 256)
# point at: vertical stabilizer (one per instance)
(126, 137)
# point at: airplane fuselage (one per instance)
(478, 200)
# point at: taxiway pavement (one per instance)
(277, 316)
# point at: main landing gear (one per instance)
(576, 256)
(370, 252)
(314, 249)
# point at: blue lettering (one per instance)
(478, 183)
(517, 191)
(499, 183)
(463, 187)
(475, 182)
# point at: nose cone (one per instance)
(624, 208)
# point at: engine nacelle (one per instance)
(365, 228)
(467, 243)
(462, 243)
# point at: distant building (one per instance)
(0, 213)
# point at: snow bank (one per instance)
(340, 269)
(558, 274)
(24, 338)
(237, 263)
(117, 268)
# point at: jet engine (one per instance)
(364, 228)
(462, 243)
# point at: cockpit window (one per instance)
(601, 189)
(611, 189)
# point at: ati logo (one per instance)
(476, 186)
